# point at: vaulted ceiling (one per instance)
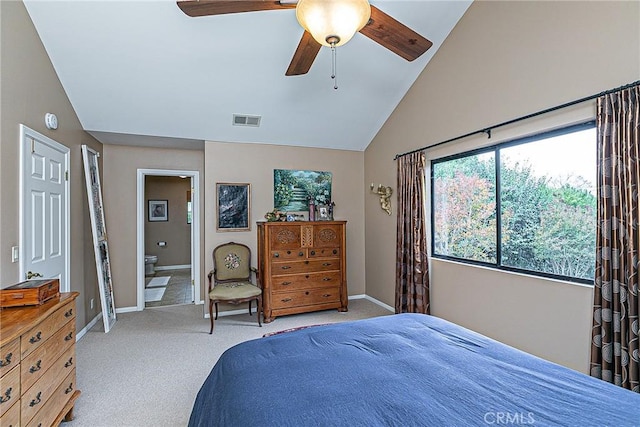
(143, 73)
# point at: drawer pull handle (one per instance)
(306, 293)
(300, 253)
(7, 395)
(306, 262)
(69, 313)
(285, 267)
(326, 264)
(6, 361)
(69, 389)
(286, 283)
(326, 279)
(313, 252)
(69, 363)
(326, 295)
(37, 400)
(36, 338)
(335, 251)
(69, 337)
(276, 255)
(36, 367)
(286, 299)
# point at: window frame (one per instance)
(496, 150)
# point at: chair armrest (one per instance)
(257, 273)
(210, 276)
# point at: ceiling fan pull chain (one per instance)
(333, 66)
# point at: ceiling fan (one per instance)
(368, 20)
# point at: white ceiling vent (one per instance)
(244, 120)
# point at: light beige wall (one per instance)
(121, 164)
(176, 232)
(504, 60)
(254, 164)
(30, 88)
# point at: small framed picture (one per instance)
(233, 206)
(158, 210)
(324, 213)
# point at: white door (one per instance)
(44, 208)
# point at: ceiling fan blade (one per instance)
(195, 8)
(395, 36)
(304, 55)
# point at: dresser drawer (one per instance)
(35, 399)
(9, 356)
(302, 297)
(57, 400)
(329, 279)
(11, 418)
(38, 363)
(324, 252)
(308, 266)
(300, 253)
(41, 332)
(9, 389)
(327, 235)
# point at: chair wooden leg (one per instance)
(259, 310)
(250, 308)
(216, 311)
(211, 316)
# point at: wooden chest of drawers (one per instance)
(302, 267)
(37, 363)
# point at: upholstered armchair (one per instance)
(230, 280)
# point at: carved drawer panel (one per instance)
(305, 297)
(284, 237)
(9, 356)
(9, 390)
(327, 235)
(307, 281)
(40, 333)
(294, 267)
(11, 418)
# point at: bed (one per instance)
(400, 370)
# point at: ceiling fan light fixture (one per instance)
(332, 23)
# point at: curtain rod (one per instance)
(488, 130)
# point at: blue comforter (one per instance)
(401, 370)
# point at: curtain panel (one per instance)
(614, 346)
(412, 273)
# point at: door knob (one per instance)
(31, 275)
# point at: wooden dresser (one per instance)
(302, 267)
(37, 363)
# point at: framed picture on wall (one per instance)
(233, 206)
(158, 210)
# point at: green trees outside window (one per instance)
(535, 212)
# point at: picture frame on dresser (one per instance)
(233, 206)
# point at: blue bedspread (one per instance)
(401, 370)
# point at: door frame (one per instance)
(195, 229)
(25, 133)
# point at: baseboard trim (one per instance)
(351, 297)
(126, 310)
(89, 326)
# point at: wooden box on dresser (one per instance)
(37, 363)
(302, 267)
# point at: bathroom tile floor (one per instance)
(178, 290)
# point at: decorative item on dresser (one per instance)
(302, 267)
(37, 363)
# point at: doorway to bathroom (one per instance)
(168, 241)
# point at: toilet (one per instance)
(150, 265)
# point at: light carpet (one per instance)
(157, 282)
(148, 369)
(153, 294)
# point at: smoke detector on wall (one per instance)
(246, 120)
(51, 121)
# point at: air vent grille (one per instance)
(246, 120)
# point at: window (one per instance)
(527, 205)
